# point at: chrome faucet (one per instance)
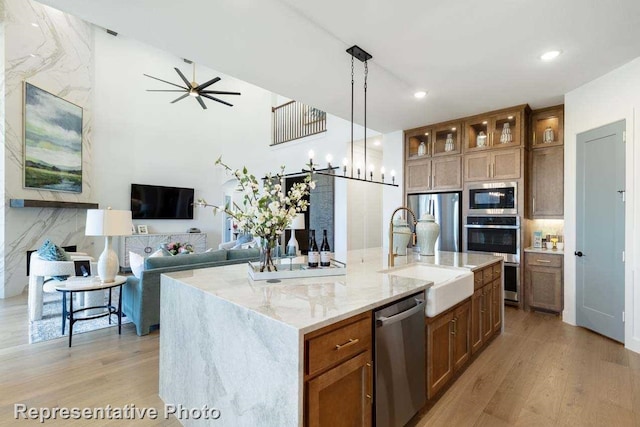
(392, 255)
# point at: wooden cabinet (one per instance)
(546, 163)
(339, 374)
(418, 143)
(496, 130)
(446, 139)
(440, 173)
(448, 345)
(493, 165)
(543, 281)
(486, 305)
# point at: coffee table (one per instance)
(81, 284)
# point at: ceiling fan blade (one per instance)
(219, 92)
(166, 90)
(184, 79)
(207, 84)
(216, 99)
(204, 107)
(164, 81)
(181, 97)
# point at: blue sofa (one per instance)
(141, 297)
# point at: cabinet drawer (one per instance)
(326, 350)
(544, 260)
(497, 270)
(487, 275)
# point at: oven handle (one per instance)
(503, 227)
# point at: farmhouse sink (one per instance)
(450, 285)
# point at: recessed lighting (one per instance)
(548, 56)
(33, 24)
(485, 122)
(453, 128)
(420, 94)
(426, 134)
(509, 117)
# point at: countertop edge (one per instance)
(531, 249)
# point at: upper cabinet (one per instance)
(446, 139)
(418, 143)
(495, 130)
(547, 127)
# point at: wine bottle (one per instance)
(325, 251)
(314, 255)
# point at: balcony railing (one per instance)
(295, 120)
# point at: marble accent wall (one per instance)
(53, 51)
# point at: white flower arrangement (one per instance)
(265, 213)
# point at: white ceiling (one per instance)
(470, 56)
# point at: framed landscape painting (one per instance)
(52, 142)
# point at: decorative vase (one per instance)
(427, 232)
(422, 149)
(267, 251)
(548, 136)
(448, 145)
(505, 136)
(481, 139)
(401, 236)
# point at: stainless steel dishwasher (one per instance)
(399, 361)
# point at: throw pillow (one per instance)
(52, 252)
(137, 264)
(158, 253)
(243, 239)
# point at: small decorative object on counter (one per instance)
(448, 145)
(422, 149)
(548, 135)
(537, 239)
(427, 231)
(481, 139)
(506, 136)
(401, 236)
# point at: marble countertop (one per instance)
(545, 251)
(311, 303)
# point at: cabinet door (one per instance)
(439, 358)
(418, 175)
(506, 129)
(547, 127)
(447, 173)
(197, 240)
(418, 143)
(487, 326)
(443, 133)
(544, 288)
(506, 164)
(143, 245)
(477, 134)
(476, 166)
(496, 305)
(342, 396)
(461, 330)
(476, 320)
(547, 182)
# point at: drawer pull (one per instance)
(546, 261)
(351, 341)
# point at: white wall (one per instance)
(613, 97)
(392, 197)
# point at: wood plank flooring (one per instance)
(539, 372)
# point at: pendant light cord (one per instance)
(352, 116)
(366, 72)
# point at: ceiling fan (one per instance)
(194, 89)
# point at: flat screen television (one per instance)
(157, 202)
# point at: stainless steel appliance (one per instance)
(493, 198)
(447, 210)
(399, 361)
(500, 236)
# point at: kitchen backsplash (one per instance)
(547, 226)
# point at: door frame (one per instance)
(572, 129)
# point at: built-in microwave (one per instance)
(493, 198)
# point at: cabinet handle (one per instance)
(534, 205)
(489, 170)
(351, 342)
(369, 394)
(546, 261)
(455, 325)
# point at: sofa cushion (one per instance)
(136, 262)
(184, 260)
(247, 254)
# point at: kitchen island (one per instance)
(238, 345)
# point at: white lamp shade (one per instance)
(298, 222)
(108, 222)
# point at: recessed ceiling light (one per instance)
(420, 94)
(33, 24)
(509, 117)
(426, 134)
(485, 122)
(453, 128)
(548, 56)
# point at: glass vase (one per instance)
(267, 251)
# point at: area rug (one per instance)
(50, 326)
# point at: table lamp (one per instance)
(293, 249)
(108, 223)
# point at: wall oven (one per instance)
(493, 198)
(499, 236)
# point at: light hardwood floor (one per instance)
(539, 372)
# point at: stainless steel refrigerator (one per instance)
(447, 209)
